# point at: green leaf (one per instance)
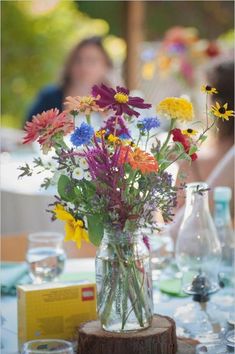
(192, 149)
(65, 189)
(179, 147)
(95, 229)
(203, 138)
(185, 156)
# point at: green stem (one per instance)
(168, 137)
(207, 119)
(88, 119)
(147, 140)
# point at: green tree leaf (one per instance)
(95, 228)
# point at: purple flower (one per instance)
(147, 124)
(118, 100)
(117, 127)
(82, 135)
(146, 242)
(177, 48)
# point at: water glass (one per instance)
(230, 341)
(47, 346)
(45, 256)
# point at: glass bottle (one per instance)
(198, 254)
(223, 223)
(124, 285)
(198, 249)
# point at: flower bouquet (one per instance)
(108, 186)
(182, 51)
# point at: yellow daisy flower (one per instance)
(208, 89)
(221, 111)
(190, 132)
(74, 229)
(113, 139)
(176, 108)
(100, 133)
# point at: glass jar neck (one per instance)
(196, 198)
(121, 237)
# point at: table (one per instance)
(24, 203)
(163, 304)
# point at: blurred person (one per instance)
(220, 76)
(215, 164)
(88, 64)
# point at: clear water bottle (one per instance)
(223, 223)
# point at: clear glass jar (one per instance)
(124, 284)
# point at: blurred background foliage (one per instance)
(35, 42)
(37, 35)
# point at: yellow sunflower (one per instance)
(190, 132)
(176, 108)
(74, 229)
(221, 111)
(208, 89)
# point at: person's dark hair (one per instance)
(221, 76)
(92, 41)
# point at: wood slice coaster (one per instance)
(160, 338)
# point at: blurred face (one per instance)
(89, 67)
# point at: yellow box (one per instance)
(54, 310)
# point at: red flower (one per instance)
(118, 100)
(178, 136)
(212, 50)
(46, 127)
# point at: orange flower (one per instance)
(85, 104)
(138, 159)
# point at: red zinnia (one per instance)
(46, 126)
(183, 139)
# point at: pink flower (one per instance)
(48, 128)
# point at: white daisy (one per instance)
(83, 163)
(78, 173)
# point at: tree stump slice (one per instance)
(160, 338)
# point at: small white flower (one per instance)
(78, 173)
(136, 185)
(87, 176)
(83, 163)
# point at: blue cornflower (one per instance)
(124, 136)
(82, 135)
(147, 124)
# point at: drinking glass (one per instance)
(45, 256)
(47, 346)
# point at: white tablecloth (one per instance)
(24, 204)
